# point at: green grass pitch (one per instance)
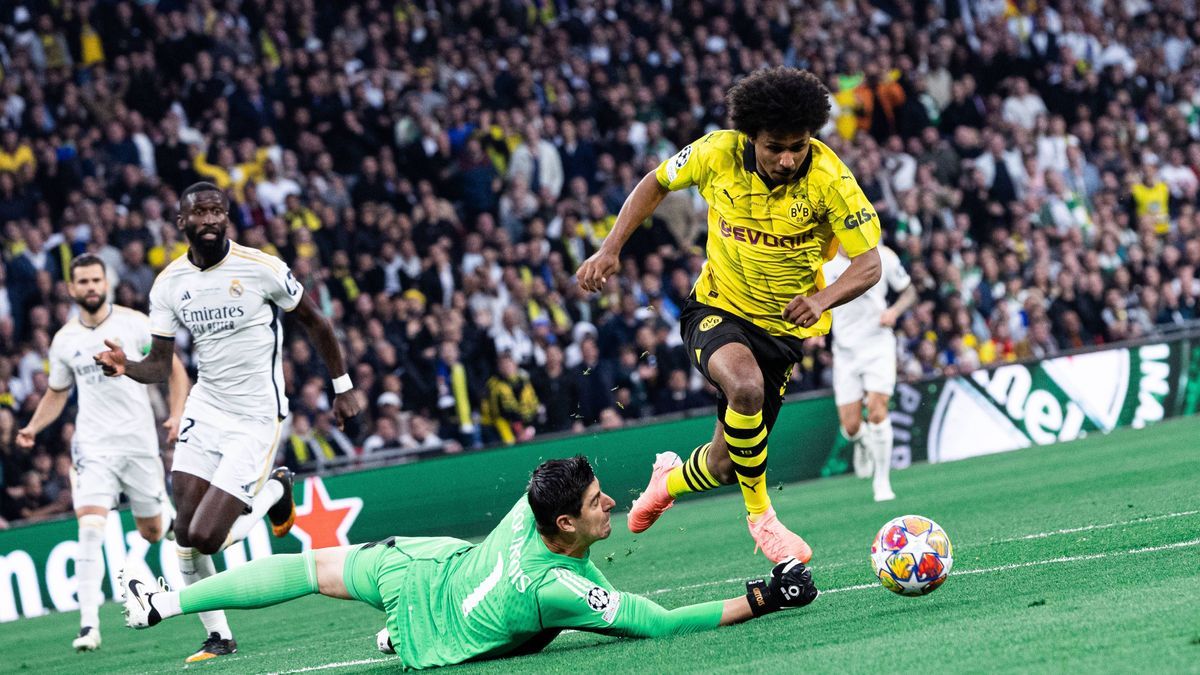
(1081, 556)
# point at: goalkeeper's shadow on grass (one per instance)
(588, 641)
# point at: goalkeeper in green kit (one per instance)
(449, 601)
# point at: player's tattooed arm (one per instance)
(150, 370)
(346, 404)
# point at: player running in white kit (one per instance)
(226, 296)
(864, 365)
(114, 448)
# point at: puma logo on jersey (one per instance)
(729, 196)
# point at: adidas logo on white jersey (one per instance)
(187, 295)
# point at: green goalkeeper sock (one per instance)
(260, 583)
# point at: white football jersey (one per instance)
(230, 311)
(114, 417)
(856, 323)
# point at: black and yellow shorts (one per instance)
(706, 329)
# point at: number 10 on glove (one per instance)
(790, 585)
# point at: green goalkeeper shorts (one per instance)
(379, 572)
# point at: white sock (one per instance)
(194, 566)
(167, 603)
(168, 516)
(859, 459)
(879, 443)
(89, 568)
(263, 501)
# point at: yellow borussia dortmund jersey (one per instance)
(766, 246)
(1153, 201)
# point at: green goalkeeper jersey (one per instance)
(449, 601)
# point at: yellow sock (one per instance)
(746, 436)
(693, 475)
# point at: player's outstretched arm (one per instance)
(789, 585)
(48, 410)
(346, 403)
(150, 370)
(638, 206)
(863, 273)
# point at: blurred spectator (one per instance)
(422, 436)
(558, 390)
(536, 162)
(510, 408)
(456, 392)
(611, 419)
(309, 447)
(386, 436)
(676, 396)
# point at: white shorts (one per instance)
(855, 374)
(234, 454)
(99, 480)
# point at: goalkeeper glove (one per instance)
(790, 585)
(383, 642)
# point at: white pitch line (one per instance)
(1078, 558)
(1102, 526)
(843, 589)
(699, 585)
(339, 664)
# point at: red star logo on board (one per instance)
(322, 522)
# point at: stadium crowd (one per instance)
(435, 171)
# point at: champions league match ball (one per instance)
(912, 555)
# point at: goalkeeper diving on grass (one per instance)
(449, 601)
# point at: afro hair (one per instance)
(779, 101)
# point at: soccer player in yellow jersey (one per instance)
(779, 203)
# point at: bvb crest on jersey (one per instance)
(800, 212)
(235, 289)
